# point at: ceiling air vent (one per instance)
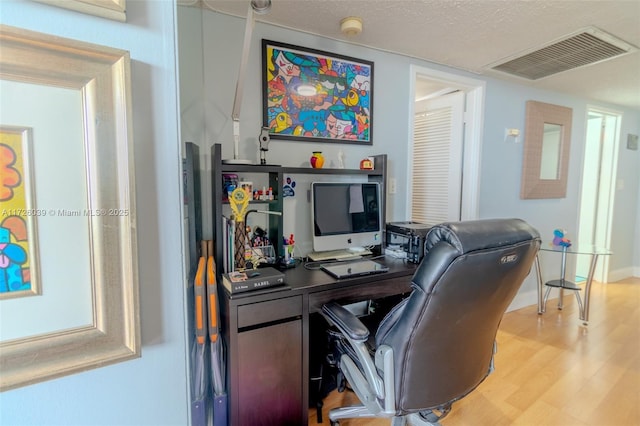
(585, 47)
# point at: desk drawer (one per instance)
(272, 310)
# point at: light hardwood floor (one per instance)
(551, 370)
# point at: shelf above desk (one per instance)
(256, 168)
(274, 177)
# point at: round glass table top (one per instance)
(577, 249)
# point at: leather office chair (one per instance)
(437, 345)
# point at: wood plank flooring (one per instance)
(551, 370)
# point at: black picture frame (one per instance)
(309, 95)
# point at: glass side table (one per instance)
(564, 284)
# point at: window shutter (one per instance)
(437, 161)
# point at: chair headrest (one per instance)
(481, 234)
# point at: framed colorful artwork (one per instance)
(18, 215)
(66, 164)
(315, 96)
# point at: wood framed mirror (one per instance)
(545, 167)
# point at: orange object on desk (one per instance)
(366, 164)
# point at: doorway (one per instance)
(598, 188)
(464, 127)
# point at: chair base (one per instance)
(360, 411)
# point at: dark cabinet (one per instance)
(265, 361)
(270, 384)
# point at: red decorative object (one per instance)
(366, 164)
(317, 160)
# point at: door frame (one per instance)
(602, 268)
(472, 144)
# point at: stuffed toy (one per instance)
(559, 239)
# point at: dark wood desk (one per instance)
(266, 334)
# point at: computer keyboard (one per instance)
(337, 254)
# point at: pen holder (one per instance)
(288, 253)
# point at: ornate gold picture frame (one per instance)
(99, 77)
(111, 9)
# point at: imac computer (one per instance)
(346, 216)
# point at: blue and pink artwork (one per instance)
(16, 215)
(315, 96)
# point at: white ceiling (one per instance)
(472, 34)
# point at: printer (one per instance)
(408, 238)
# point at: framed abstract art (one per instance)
(18, 215)
(66, 171)
(315, 96)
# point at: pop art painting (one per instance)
(315, 96)
(17, 215)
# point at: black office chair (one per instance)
(437, 345)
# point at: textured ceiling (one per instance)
(472, 34)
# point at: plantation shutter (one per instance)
(437, 160)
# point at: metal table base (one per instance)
(563, 284)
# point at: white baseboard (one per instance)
(523, 299)
(620, 274)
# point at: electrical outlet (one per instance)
(392, 186)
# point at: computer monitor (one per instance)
(345, 215)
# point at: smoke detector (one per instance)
(351, 26)
(581, 48)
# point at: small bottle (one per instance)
(270, 194)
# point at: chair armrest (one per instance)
(357, 334)
(347, 322)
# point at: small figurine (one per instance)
(559, 239)
(366, 164)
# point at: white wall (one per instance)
(151, 390)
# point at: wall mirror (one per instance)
(545, 165)
(68, 292)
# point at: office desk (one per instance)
(562, 283)
(266, 334)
